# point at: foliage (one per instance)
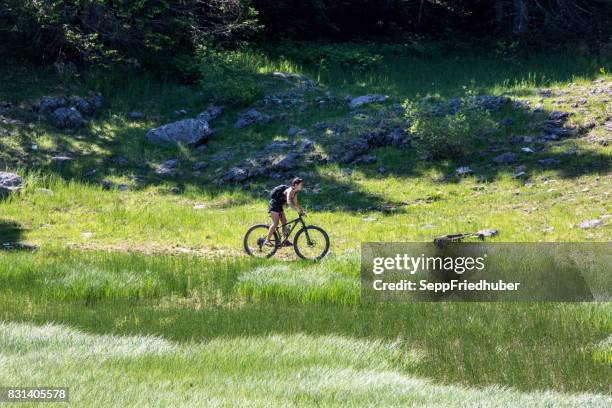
(443, 131)
(147, 32)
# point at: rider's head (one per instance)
(297, 184)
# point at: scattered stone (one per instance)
(367, 99)
(490, 102)
(135, 115)
(190, 132)
(526, 150)
(520, 104)
(212, 112)
(538, 108)
(294, 131)
(487, 233)
(9, 182)
(505, 158)
(90, 172)
(236, 174)
(220, 157)
(123, 187)
(49, 104)
(591, 224)
(67, 118)
(167, 167)
(106, 184)
(82, 105)
(286, 163)
(277, 145)
(60, 159)
(199, 206)
(558, 116)
(548, 162)
(305, 145)
(519, 174)
(369, 219)
(367, 159)
(382, 170)
(251, 117)
(44, 191)
(199, 166)
(346, 172)
(464, 171)
(400, 139)
(321, 125)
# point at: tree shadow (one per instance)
(112, 147)
(11, 234)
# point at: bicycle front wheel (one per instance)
(311, 243)
(254, 241)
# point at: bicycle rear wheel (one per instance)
(254, 241)
(311, 243)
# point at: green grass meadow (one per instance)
(144, 297)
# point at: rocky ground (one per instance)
(537, 131)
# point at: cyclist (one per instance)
(280, 196)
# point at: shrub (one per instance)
(228, 77)
(444, 130)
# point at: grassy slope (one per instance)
(302, 339)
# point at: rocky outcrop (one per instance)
(189, 132)
(366, 100)
(9, 183)
(251, 117)
(67, 118)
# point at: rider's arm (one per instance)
(293, 202)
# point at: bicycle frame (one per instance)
(293, 223)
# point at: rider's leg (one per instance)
(283, 219)
(275, 216)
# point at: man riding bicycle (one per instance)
(280, 196)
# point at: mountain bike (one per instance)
(310, 242)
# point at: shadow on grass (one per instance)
(113, 147)
(526, 346)
(10, 237)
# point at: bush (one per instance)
(226, 78)
(234, 77)
(444, 130)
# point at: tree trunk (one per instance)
(521, 17)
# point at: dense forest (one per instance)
(145, 31)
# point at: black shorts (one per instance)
(276, 206)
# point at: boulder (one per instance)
(199, 165)
(82, 105)
(294, 131)
(167, 167)
(548, 162)
(490, 102)
(366, 159)
(9, 182)
(190, 132)
(305, 145)
(67, 118)
(49, 104)
(286, 163)
(236, 174)
(464, 171)
(367, 99)
(591, 224)
(251, 117)
(505, 158)
(212, 112)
